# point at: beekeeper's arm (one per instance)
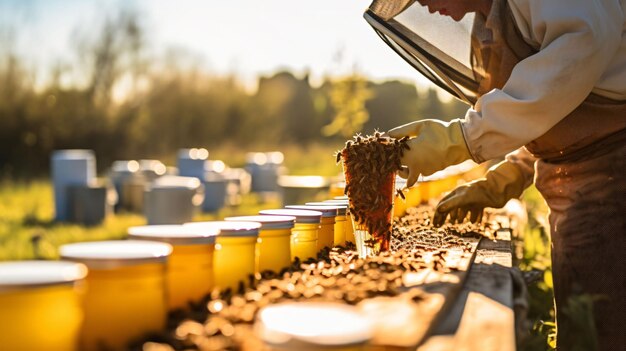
(578, 39)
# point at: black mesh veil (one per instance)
(435, 45)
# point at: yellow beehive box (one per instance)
(349, 227)
(40, 305)
(236, 253)
(326, 237)
(274, 240)
(125, 297)
(304, 234)
(190, 266)
(340, 220)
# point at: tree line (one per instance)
(125, 104)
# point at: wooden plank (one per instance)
(400, 323)
(482, 317)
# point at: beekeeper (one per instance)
(552, 101)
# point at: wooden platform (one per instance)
(481, 317)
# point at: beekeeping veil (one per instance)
(437, 46)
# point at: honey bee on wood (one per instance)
(401, 194)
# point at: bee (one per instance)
(401, 194)
(338, 157)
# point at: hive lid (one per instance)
(313, 323)
(454, 170)
(267, 221)
(229, 228)
(291, 181)
(327, 211)
(125, 166)
(342, 208)
(176, 182)
(72, 154)
(262, 158)
(116, 253)
(25, 274)
(340, 202)
(174, 234)
(193, 154)
(302, 216)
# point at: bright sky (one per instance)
(249, 37)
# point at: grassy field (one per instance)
(534, 257)
(27, 230)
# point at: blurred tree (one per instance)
(125, 104)
(394, 103)
(432, 107)
(287, 108)
(273, 94)
(17, 134)
(116, 50)
(301, 117)
(348, 96)
(455, 109)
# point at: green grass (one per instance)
(579, 308)
(27, 229)
(536, 257)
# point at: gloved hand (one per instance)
(502, 182)
(435, 146)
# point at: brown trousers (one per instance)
(587, 200)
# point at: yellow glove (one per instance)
(502, 182)
(435, 146)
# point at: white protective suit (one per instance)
(544, 87)
(551, 77)
(576, 69)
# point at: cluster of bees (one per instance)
(370, 164)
